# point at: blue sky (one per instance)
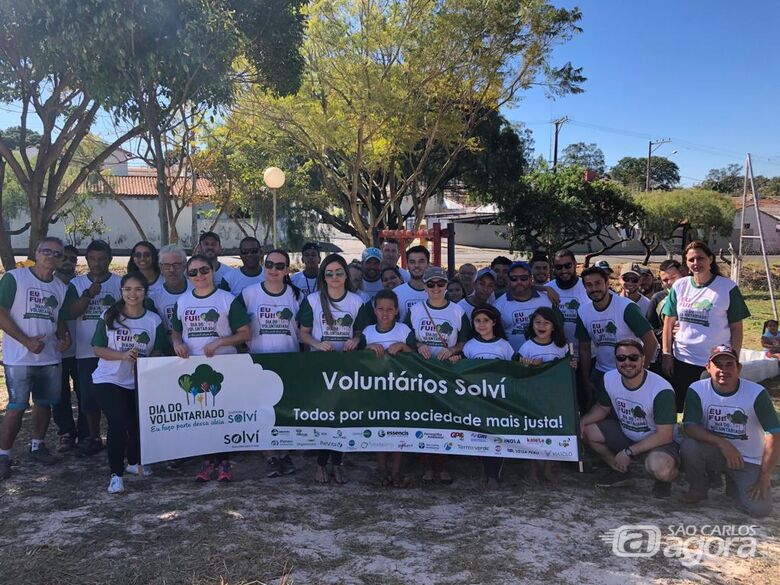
(704, 74)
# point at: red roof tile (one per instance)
(145, 186)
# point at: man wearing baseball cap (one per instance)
(629, 279)
(484, 285)
(731, 427)
(372, 281)
(519, 303)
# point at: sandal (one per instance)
(338, 475)
(321, 476)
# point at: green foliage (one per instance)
(346, 320)
(738, 417)
(445, 328)
(587, 156)
(210, 315)
(204, 380)
(52, 301)
(549, 211)
(13, 137)
(632, 172)
(142, 337)
(638, 412)
(81, 223)
(285, 314)
(610, 327)
(729, 180)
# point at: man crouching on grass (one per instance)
(731, 426)
(646, 416)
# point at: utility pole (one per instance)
(652, 146)
(558, 123)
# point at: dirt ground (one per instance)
(60, 526)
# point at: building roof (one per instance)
(146, 186)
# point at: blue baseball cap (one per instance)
(520, 264)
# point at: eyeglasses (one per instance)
(566, 266)
(632, 358)
(632, 279)
(276, 265)
(167, 265)
(142, 255)
(250, 251)
(133, 289)
(436, 284)
(520, 277)
(335, 273)
(49, 252)
(201, 270)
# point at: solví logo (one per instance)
(419, 434)
(421, 445)
(202, 382)
(274, 432)
(367, 433)
(381, 433)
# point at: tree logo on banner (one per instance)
(202, 382)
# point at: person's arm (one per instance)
(179, 346)
(101, 349)
(583, 338)
(736, 335)
(735, 314)
(241, 335)
(551, 293)
(650, 344)
(767, 416)
(598, 412)
(767, 343)
(665, 416)
(78, 304)
(8, 325)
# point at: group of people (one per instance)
(642, 353)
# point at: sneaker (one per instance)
(288, 466)
(615, 479)
(175, 464)
(224, 472)
(89, 447)
(662, 489)
(205, 471)
(133, 470)
(65, 443)
(43, 455)
(273, 467)
(116, 485)
(5, 466)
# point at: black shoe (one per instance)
(287, 464)
(273, 467)
(65, 443)
(5, 467)
(43, 455)
(615, 479)
(662, 489)
(89, 447)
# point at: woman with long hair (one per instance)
(332, 319)
(709, 309)
(125, 332)
(144, 258)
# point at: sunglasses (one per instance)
(566, 266)
(632, 358)
(201, 270)
(335, 273)
(520, 277)
(632, 279)
(142, 255)
(250, 251)
(276, 265)
(49, 252)
(436, 284)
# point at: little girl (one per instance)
(392, 337)
(546, 341)
(770, 340)
(489, 343)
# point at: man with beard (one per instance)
(250, 273)
(414, 291)
(211, 247)
(467, 273)
(540, 269)
(603, 321)
(570, 290)
(391, 253)
(500, 265)
(629, 280)
(372, 281)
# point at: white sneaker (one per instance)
(116, 485)
(133, 470)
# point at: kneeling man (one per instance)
(732, 427)
(646, 416)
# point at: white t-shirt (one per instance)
(407, 298)
(572, 298)
(35, 306)
(201, 320)
(109, 294)
(144, 333)
(468, 308)
(704, 314)
(477, 348)
(165, 303)
(303, 282)
(400, 333)
(155, 286)
(237, 281)
(371, 288)
(273, 318)
(449, 324)
(345, 312)
(546, 352)
(643, 303)
(222, 273)
(641, 409)
(516, 315)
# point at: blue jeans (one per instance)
(41, 382)
(63, 412)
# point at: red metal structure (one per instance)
(435, 234)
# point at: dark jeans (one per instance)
(89, 400)
(492, 467)
(683, 376)
(63, 412)
(323, 455)
(120, 406)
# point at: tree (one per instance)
(548, 211)
(705, 213)
(728, 180)
(589, 156)
(48, 51)
(767, 186)
(389, 84)
(632, 172)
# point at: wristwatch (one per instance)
(629, 452)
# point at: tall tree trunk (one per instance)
(6, 249)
